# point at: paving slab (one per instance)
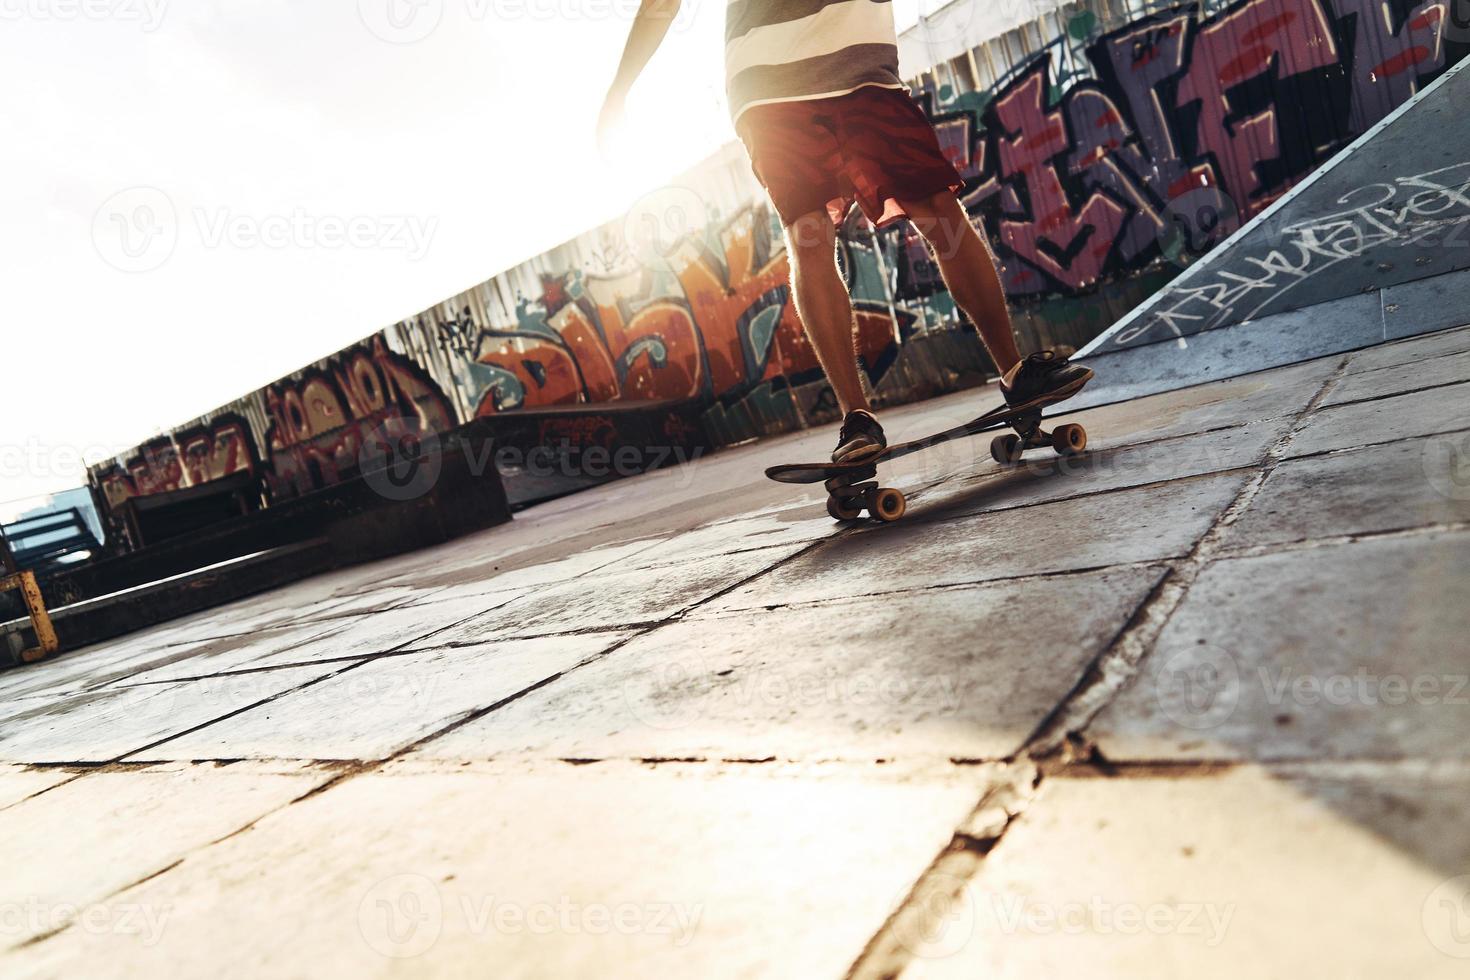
(1343, 651)
(615, 871)
(727, 537)
(1269, 394)
(929, 549)
(1044, 477)
(1427, 304)
(1413, 483)
(217, 656)
(1420, 413)
(385, 705)
(1423, 350)
(902, 677)
(105, 663)
(22, 782)
(616, 599)
(100, 726)
(1414, 376)
(387, 632)
(489, 577)
(67, 852)
(1248, 872)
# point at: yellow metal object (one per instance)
(25, 582)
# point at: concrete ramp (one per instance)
(1374, 246)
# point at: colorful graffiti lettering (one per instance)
(1191, 122)
(711, 318)
(191, 457)
(325, 422)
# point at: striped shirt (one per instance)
(794, 50)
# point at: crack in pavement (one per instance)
(1058, 745)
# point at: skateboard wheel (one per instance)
(844, 509)
(1006, 449)
(888, 505)
(1069, 439)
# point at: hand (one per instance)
(609, 121)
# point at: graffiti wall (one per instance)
(1116, 149)
(1099, 166)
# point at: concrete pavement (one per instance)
(1194, 701)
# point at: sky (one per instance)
(297, 174)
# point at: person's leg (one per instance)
(969, 271)
(824, 305)
(825, 308)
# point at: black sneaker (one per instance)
(861, 438)
(1045, 374)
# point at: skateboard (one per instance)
(852, 487)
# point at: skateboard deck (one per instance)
(850, 496)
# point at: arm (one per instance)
(650, 25)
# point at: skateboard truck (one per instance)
(849, 495)
(1067, 440)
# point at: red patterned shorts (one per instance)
(873, 146)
